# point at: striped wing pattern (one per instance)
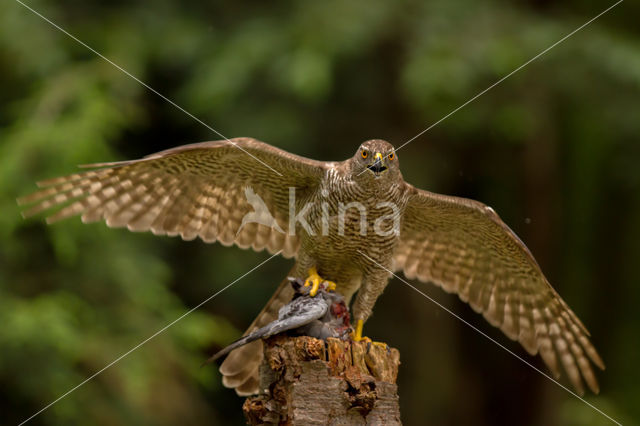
(465, 248)
(192, 191)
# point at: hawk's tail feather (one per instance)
(250, 387)
(247, 364)
(240, 368)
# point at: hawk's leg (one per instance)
(314, 280)
(369, 292)
(357, 334)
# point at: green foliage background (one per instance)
(554, 149)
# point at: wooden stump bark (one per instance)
(304, 381)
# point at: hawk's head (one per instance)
(376, 161)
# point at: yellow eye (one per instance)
(364, 154)
(392, 156)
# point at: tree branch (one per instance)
(305, 381)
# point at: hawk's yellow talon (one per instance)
(314, 288)
(358, 337)
(314, 280)
(381, 344)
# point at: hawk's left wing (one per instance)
(464, 247)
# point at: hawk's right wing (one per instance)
(197, 190)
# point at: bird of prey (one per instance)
(461, 245)
(321, 316)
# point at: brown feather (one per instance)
(463, 246)
(192, 191)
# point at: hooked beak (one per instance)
(377, 167)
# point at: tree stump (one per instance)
(305, 381)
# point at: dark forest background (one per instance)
(553, 149)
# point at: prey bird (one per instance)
(351, 222)
(321, 316)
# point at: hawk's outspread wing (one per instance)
(464, 247)
(193, 191)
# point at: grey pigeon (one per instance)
(320, 316)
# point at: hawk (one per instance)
(461, 245)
